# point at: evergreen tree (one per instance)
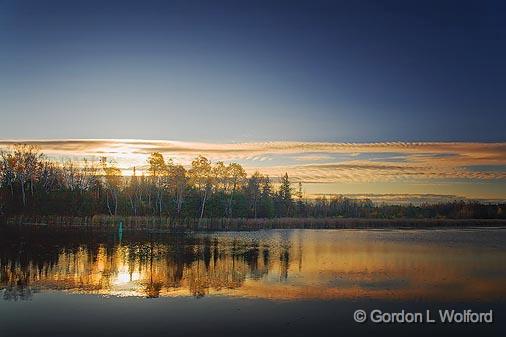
(285, 196)
(31, 184)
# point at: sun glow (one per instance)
(303, 265)
(124, 277)
(464, 170)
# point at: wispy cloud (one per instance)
(363, 171)
(307, 161)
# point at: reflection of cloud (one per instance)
(361, 162)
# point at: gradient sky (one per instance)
(224, 72)
(254, 70)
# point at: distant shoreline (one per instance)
(168, 224)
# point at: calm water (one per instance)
(293, 282)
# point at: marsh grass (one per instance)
(105, 222)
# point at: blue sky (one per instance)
(253, 70)
(222, 75)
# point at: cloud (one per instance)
(363, 171)
(306, 161)
(313, 158)
(489, 151)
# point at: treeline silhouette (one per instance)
(32, 184)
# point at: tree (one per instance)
(157, 169)
(180, 181)
(253, 192)
(202, 178)
(221, 176)
(300, 202)
(266, 204)
(285, 196)
(7, 173)
(237, 178)
(112, 175)
(156, 164)
(21, 166)
(32, 184)
(132, 192)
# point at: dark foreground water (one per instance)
(266, 283)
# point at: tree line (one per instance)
(32, 184)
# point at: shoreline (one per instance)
(168, 224)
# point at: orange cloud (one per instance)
(411, 160)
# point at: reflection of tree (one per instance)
(266, 256)
(153, 289)
(299, 251)
(146, 265)
(17, 288)
(258, 268)
(284, 259)
(206, 252)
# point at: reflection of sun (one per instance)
(125, 277)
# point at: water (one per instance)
(265, 283)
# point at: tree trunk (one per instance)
(229, 208)
(115, 196)
(160, 202)
(107, 202)
(23, 194)
(132, 205)
(203, 205)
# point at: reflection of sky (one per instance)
(278, 265)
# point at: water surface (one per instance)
(276, 282)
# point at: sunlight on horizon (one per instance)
(461, 170)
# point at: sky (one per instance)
(240, 73)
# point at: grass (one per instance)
(105, 222)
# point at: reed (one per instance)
(143, 223)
